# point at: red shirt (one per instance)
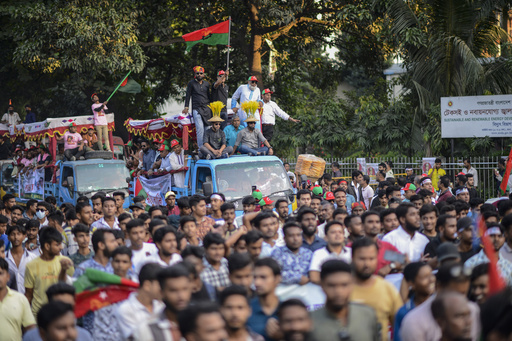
(383, 247)
(175, 210)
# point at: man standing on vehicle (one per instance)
(250, 139)
(268, 117)
(199, 91)
(214, 141)
(177, 159)
(73, 143)
(100, 121)
(246, 92)
(232, 131)
(148, 157)
(220, 93)
(11, 117)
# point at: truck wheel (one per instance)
(98, 155)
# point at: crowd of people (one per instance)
(406, 263)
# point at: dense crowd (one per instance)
(411, 267)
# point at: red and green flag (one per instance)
(127, 85)
(213, 35)
(506, 175)
(496, 281)
(96, 289)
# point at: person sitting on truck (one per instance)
(148, 157)
(73, 143)
(100, 121)
(250, 139)
(177, 160)
(232, 131)
(214, 142)
(43, 160)
(91, 139)
(165, 164)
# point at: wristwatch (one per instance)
(392, 266)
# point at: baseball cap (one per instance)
(329, 196)
(174, 143)
(464, 223)
(409, 186)
(168, 194)
(267, 91)
(257, 194)
(221, 72)
(137, 205)
(72, 124)
(447, 250)
(265, 201)
(318, 190)
(253, 78)
(163, 147)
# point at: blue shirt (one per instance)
(318, 243)
(91, 263)
(30, 118)
(258, 320)
(148, 159)
(33, 335)
(400, 314)
(231, 134)
(293, 265)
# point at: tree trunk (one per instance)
(255, 66)
(505, 15)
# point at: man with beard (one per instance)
(447, 227)
(294, 321)
(166, 240)
(342, 198)
(235, 310)
(452, 313)
(246, 92)
(406, 237)
(249, 140)
(232, 131)
(267, 276)
(341, 318)
(293, 258)
(307, 220)
(148, 157)
(175, 289)
(370, 289)
(103, 243)
(281, 206)
(199, 91)
(326, 211)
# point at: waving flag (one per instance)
(213, 35)
(506, 175)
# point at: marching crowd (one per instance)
(411, 267)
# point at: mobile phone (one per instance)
(392, 256)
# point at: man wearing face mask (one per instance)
(246, 92)
(30, 117)
(198, 90)
(11, 117)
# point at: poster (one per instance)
(361, 164)
(427, 163)
(31, 184)
(371, 171)
(154, 189)
(476, 116)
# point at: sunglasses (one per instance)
(216, 124)
(254, 82)
(41, 210)
(199, 73)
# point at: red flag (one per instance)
(506, 175)
(92, 300)
(496, 282)
(213, 35)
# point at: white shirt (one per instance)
(140, 257)
(367, 196)
(322, 255)
(270, 110)
(175, 259)
(244, 94)
(11, 119)
(166, 163)
(101, 223)
(177, 162)
(131, 313)
(413, 247)
(20, 271)
(471, 171)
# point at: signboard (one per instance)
(476, 116)
(31, 184)
(153, 190)
(427, 163)
(361, 164)
(371, 170)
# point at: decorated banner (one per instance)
(31, 184)
(153, 190)
(427, 163)
(372, 170)
(361, 164)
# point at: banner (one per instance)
(427, 163)
(371, 170)
(155, 189)
(476, 116)
(31, 184)
(361, 164)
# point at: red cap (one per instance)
(409, 186)
(221, 72)
(174, 143)
(267, 201)
(90, 127)
(162, 148)
(345, 181)
(267, 91)
(253, 78)
(329, 196)
(94, 94)
(424, 175)
(72, 124)
(357, 204)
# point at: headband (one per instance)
(198, 69)
(461, 190)
(408, 169)
(216, 196)
(426, 181)
(492, 230)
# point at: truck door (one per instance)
(65, 195)
(203, 174)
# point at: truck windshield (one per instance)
(236, 180)
(101, 176)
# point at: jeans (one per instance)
(198, 120)
(69, 153)
(203, 151)
(102, 133)
(243, 149)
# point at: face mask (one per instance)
(40, 214)
(11, 111)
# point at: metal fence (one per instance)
(485, 165)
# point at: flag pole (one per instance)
(229, 44)
(118, 86)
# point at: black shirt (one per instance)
(199, 93)
(4, 151)
(221, 94)
(431, 247)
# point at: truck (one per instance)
(70, 179)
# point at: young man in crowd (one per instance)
(96, 205)
(142, 251)
(254, 241)
(82, 237)
(109, 219)
(204, 223)
(18, 257)
(42, 212)
(30, 212)
(103, 243)
(267, 224)
(428, 216)
(32, 242)
(202, 322)
(308, 221)
(326, 214)
(166, 240)
(215, 271)
(119, 198)
(170, 201)
(354, 225)
(84, 213)
(447, 227)
(16, 214)
(241, 268)
(389, 221)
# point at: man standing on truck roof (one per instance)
(250, 139)
(73, 143)
(268, 117)
(177, 159)
(11, 117)
(199, 91)
(246, 92)
(220, 93)
(100, 121)
(214, 141)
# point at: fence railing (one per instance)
(485, 165)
